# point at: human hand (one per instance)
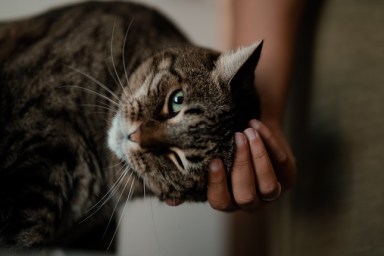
(264, 167)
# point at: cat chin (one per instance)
(181, 198)
(169, 195)
(173, 201)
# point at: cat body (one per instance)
(102, 99)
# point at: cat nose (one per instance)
(135, 136)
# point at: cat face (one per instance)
(178, 112)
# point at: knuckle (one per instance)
(241, 163)
(282, 158)
(217, 181)
(259, 154)
(255, 140)
(268, 136)
(258, 149)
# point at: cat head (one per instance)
(180, 110)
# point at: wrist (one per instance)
(273, 122)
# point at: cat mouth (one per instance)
(177, 198)
(173, 201)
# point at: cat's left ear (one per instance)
(235, 71)
(239, 64)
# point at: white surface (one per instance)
(156, 229)
(152, 228)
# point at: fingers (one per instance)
(276, 150)
(218, 195)
(263, 167)
(267, 183)
(279, 152)
(242, 176)
(252, 178)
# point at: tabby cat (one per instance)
(102, 99)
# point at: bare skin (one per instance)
(264, 165)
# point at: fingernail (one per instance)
(254, 124)
(214, 165)
(239, 139)
(251, 134)
(278, 193)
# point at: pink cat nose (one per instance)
(135, 136)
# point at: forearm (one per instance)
(274, 21)
(263, 164)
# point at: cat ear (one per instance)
(236, 71)
(238, 64)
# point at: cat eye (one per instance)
(176, 102)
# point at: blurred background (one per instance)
(335, 125)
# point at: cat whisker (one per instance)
(131, 189)
(98, 106)
(121, 194)
(101, 113)
(123, 56)
(94, 92)
(117, 203)
(95, 81)
(112, 108)
(112, 74)
(114, 187)
(154, 226)
(102, 105)
(144, 192)
(121, 162)
(112, 59)
(95, 208)
(108, 123)
(122, 213)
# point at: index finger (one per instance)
(218, 194)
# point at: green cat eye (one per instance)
(176, 101)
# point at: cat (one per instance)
(101, 99)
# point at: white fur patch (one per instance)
(115, 137)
